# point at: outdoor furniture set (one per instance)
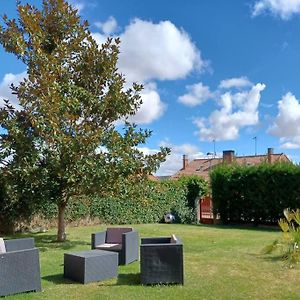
(161, 260)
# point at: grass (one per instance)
(219, 263)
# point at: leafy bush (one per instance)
(256, 194)
(196, 187)
(289, 244)
(148, 205)
(145, 202)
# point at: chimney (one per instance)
(270, 152)
(185, 161)
(228, 156)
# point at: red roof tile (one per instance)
(202, 166)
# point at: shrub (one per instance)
(289, 244)
(145, 202)
(256, 194)
(148, 205)
(196, 187)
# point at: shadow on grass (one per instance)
(271, 257)
(58, 279)
(253, 227)
(46, 242)
(129, 279)
(123, 279)
(267, 257)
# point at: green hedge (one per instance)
(149, 206)
(256, 194)
(151, 201)
(146, 202)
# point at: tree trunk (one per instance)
(61, 232)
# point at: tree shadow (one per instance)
(129, 279)
(47, 242)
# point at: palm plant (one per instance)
(288, 244)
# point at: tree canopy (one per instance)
(64, 140)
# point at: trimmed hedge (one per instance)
(146, 202)
(149, 206)
(256, 194)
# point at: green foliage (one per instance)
(196, 187)
(70, 101)
(256, 194)
(21, 179)
(289, 244)
(146, 202)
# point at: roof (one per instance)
(151, 177)
(202, 166)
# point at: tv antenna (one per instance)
(255, 144)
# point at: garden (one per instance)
(66, 160)
(220, 262)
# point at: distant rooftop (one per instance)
(202, 166)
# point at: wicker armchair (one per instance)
(19, 267)
(161, 260)
(124, 241)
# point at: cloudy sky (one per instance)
(216, 73)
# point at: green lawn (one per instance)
(219, 263)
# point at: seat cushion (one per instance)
(114, 235)
(2, 246)
(109, 247)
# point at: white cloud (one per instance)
(151, 51)
(152, 107)
(108, 27)
(173, 162)
(197, 94)
(157, 51)
(148, 52)
(289, 145)
(239, 82)
(287, 122)
(188, 149)
(79, 5)
(99, 37)
(285, 9)
(5, 91)
(237, 111)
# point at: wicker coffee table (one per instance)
(91, 265)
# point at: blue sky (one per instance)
(215, 72)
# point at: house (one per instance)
(202, 166)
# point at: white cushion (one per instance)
(106, 245)
(2, 246)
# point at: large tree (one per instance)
(72, 99)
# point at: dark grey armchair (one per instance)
(161, 260)
(19, 267)
(124, 241)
